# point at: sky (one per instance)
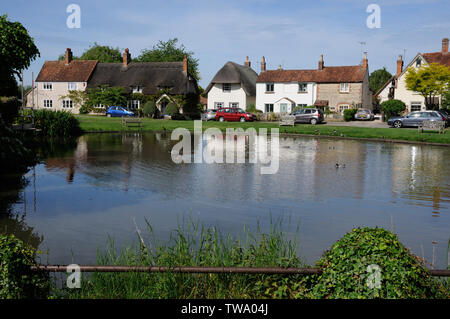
(290, 33)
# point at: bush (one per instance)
(17, 280)
(56, 123)
(9, 108)
(251, 108)
(85, 109)
(171, 109)
(150, 109)
(349, 114)
(345, 269)
(392, 108)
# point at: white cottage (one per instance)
(395, 88)
(233, 86)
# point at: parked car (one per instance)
(118, 111)
(364, 114)
(234, 114)
(415, 119)
(446, 115)
(308, 115)
(209, 115)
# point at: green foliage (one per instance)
(17, 48)
(445, 103)
(102, 53)
(392, 108)
(378, 78)
(9, 109)
(79, 99)
(251, 108)
(430, 81)
(169, 52)
(108, 96)
(345, 269)
(17, 280)
(56, 123)
(171, 109)
(150, 109)
(349, 114)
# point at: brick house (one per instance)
(338, 87)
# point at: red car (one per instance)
(234, 114)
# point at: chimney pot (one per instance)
(321, 64)
(69, 56)
(247, 63)
(445, 45)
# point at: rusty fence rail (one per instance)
(206, 270)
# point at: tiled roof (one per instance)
(330, 74)
(58, 71)
(438, 57)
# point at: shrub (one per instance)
(349, 114)
(17, 280)
(56, 123)
(85, 109)
(345, 269)
(9, 108)
(392, 108)
(172, 109)
(150, 109)
(251, 108)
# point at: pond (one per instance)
(108, 182)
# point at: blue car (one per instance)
(118, 111)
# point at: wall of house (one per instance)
(366, 93)
(59, 89)
(237, 95)
(283, 91)
(336, 98)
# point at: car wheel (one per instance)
(108, 115)
(242, 119)
(221, 119)
(313, 121)
(398, 124)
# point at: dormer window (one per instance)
(226, 87)
(137, 89)
(418, 62)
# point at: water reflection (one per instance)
(94, 189)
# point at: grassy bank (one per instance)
(91, 123)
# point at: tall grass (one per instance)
(193, 244)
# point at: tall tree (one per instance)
(17, 50)
(102, 53)
(378, 78)
(430, 81)
(169, 52)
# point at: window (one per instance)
(218, 105)
(418, 62)
(134, 104)
(268, 107)
(416, 106)
(343, 107)
(302, 88)
(48, 103)
(308, 111)
(71, 86)
(269, 87)
(234, 104)
(48, 86)
(137, 89)
(67, 104)
(226, 87)
(344, 88)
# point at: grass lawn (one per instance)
(94, 123)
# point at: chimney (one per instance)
(263, 64)
(126, 58)
(399, 65)
(365, 61)
(247, 63)
(280, 67)
(68, 58)
(445, 45)
(185, 64)
(321, 64)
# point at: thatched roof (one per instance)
(235, 73)
(152, 76)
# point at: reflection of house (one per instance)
(339, 87)
(395, 88)
(232, 86)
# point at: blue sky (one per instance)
(288, 33)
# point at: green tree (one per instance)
(445, 104)
(392, 108)
(430, 81)
(17, 49)
(378, 78)
(107, 96)
(169, 52)
(102, 53)
(172, 109)
(149, 109)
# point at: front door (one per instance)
(163, 107)
(283, 107)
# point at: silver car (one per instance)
(364, 114)
(209, 115)
(415, 119)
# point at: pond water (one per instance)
(75, 200)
